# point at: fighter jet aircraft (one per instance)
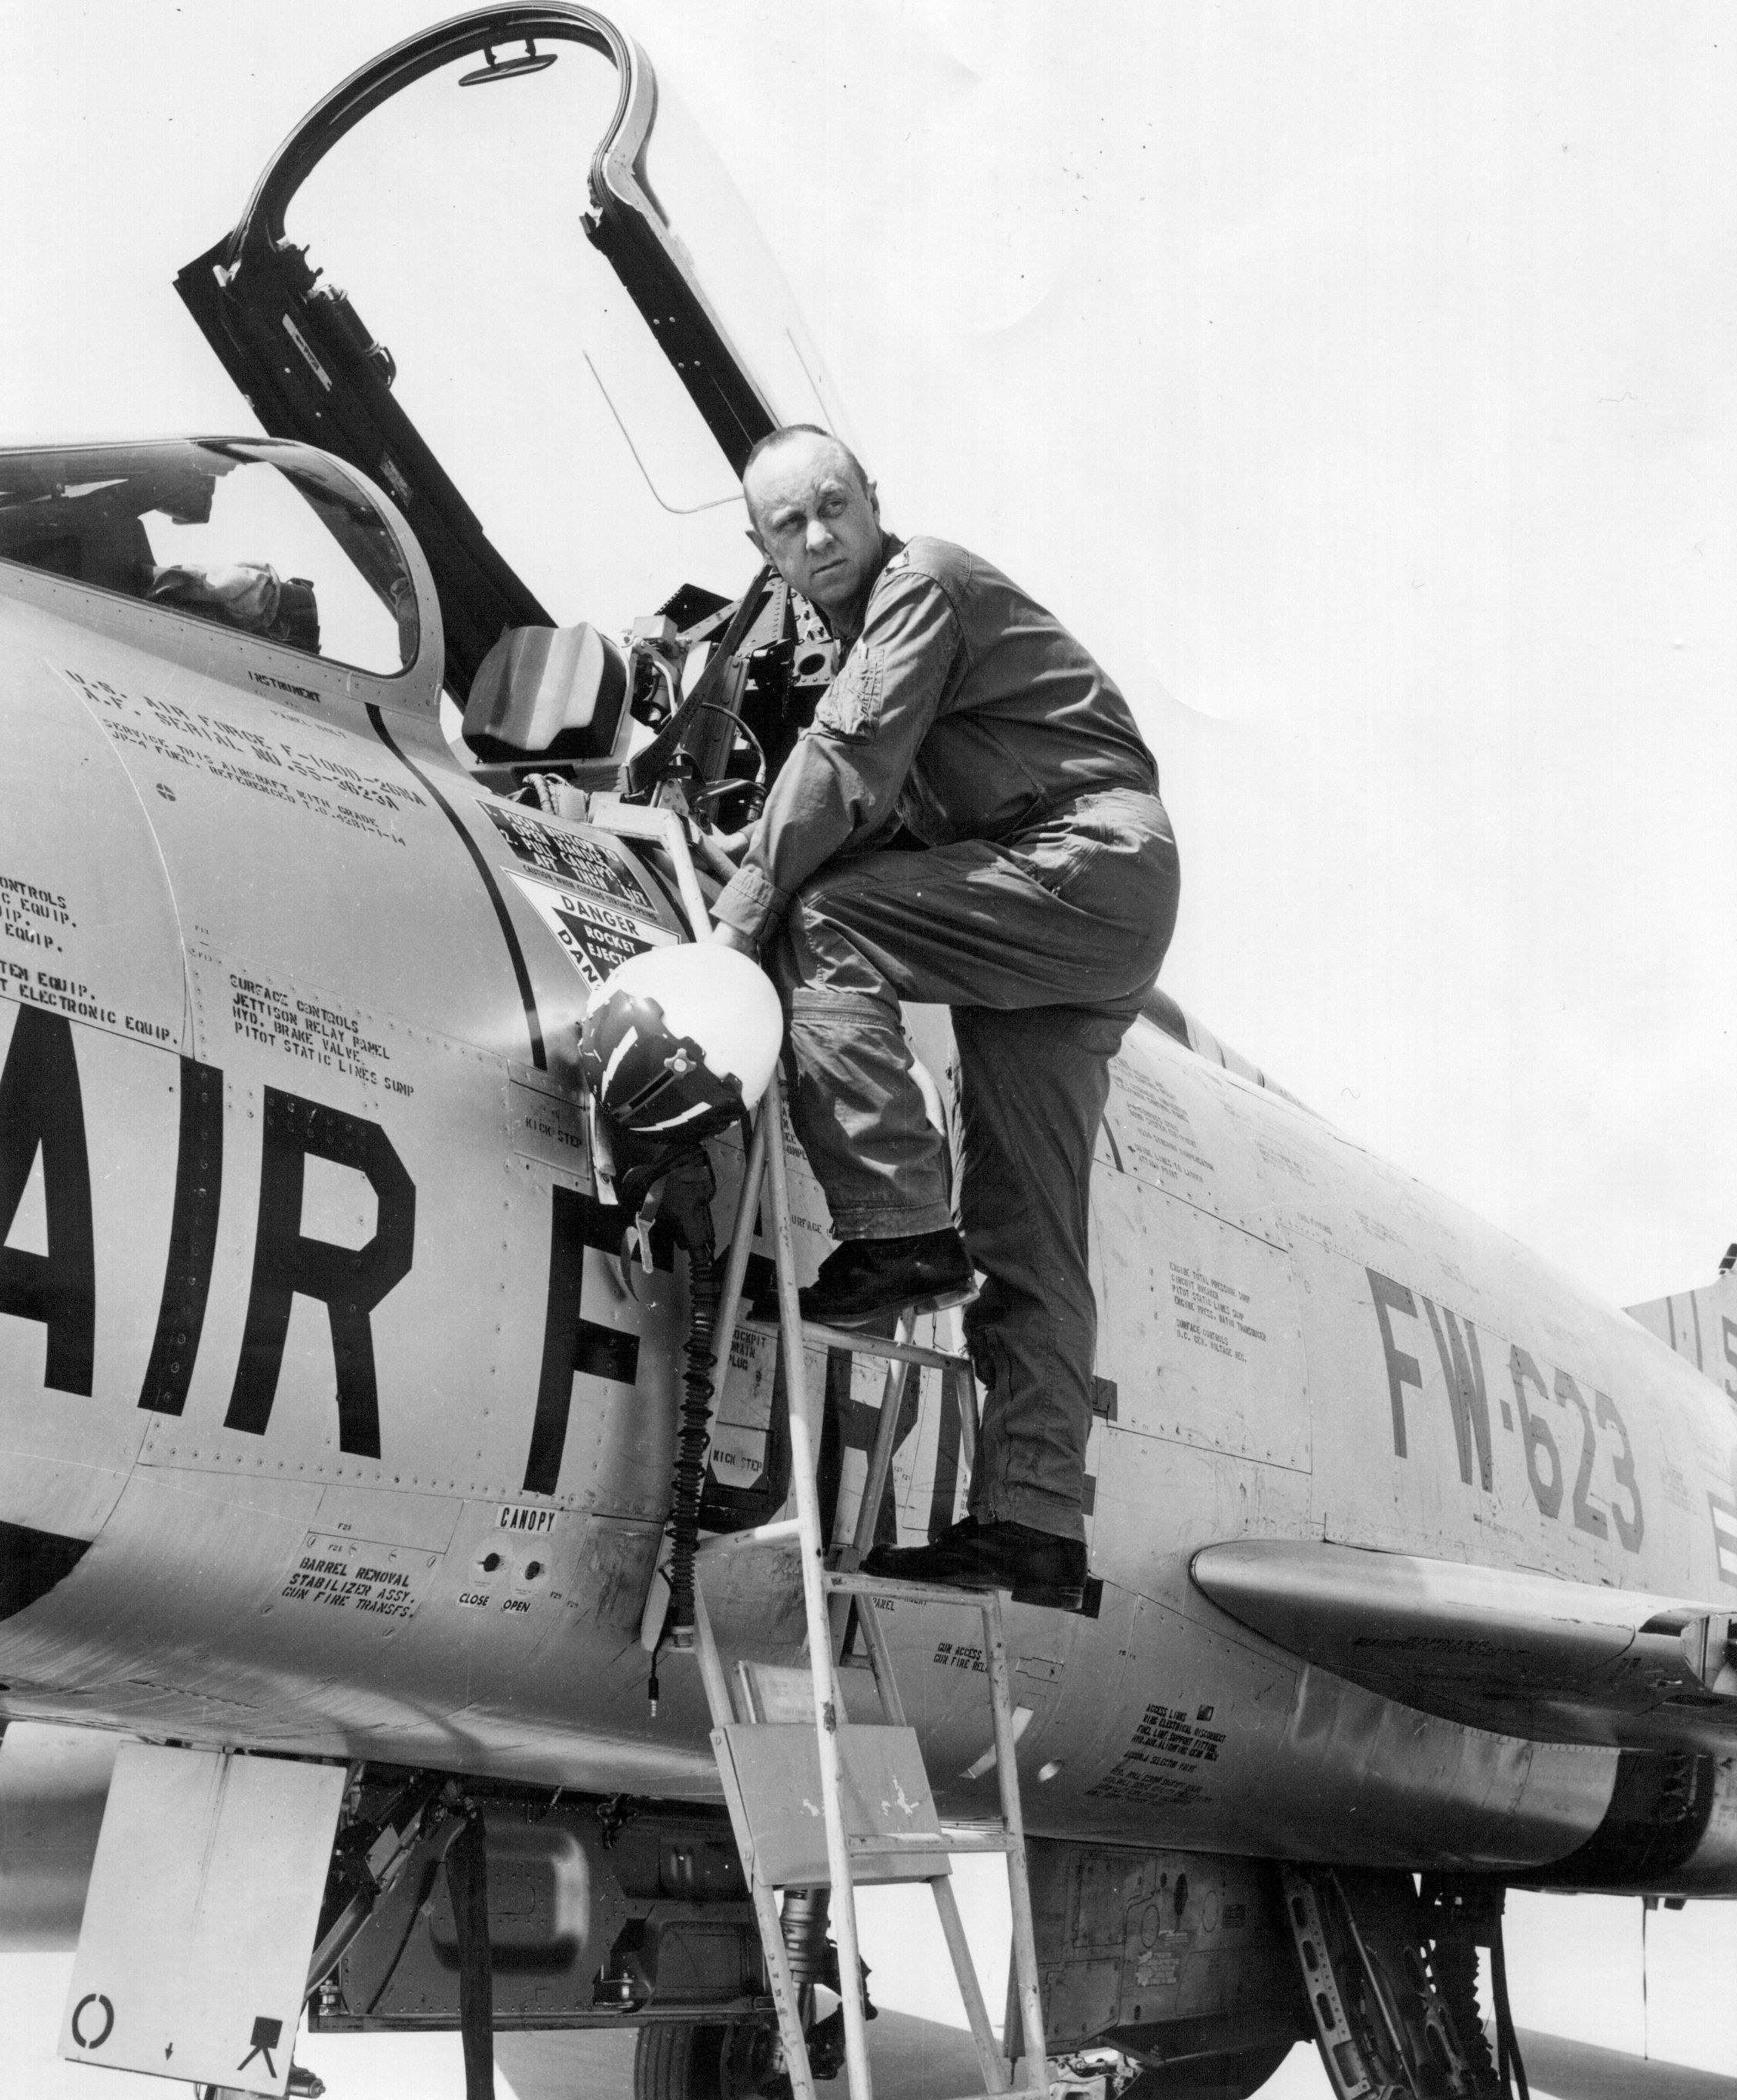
(339, 1390)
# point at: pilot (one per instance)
(972, 818)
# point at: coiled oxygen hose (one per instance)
(704, 1291)
(687, 1207)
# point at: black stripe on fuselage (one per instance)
(32, 1562)
(571, 1341)
(192, 1240)
(533, 1019)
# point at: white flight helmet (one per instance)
(679, 1040)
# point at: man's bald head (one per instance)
(790, 432)
(814, 514)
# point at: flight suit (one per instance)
(1039, 909)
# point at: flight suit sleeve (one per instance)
(844, 777)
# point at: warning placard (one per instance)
(597, 936)
(345, 1574)
(595, 864)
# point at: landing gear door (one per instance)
(542, 381)
(199, 1921)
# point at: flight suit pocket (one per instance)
(851, 710)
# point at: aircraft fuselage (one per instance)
(332, 1421)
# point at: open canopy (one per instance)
(520, 204)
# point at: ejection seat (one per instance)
(562, 693)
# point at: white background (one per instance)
(1359, 382)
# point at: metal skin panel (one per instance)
(79, 919)
(1132, 1939)
(1206, 1349)
(1176, 1138)
(352, 1167)
(1495, 1411)
(206, 1892)
(1188, 1733)
(69, 1421)
(299, 912)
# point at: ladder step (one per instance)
(859, 1344)
(1061, 2089)
(1049, 2092)
(1026, 2092)
(946, 1841)
(853, 1582)
(785, 1531)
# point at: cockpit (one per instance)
(544, 386)
(264, 538)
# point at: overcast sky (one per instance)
(1357, 381)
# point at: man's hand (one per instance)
(733, 845)
(729, 938)
(720, 852)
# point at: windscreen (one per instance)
(451, 217)
(266, 540)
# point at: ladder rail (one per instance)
(965, 1396)
(1019, 1881)
(658, 825)
(741, 1242)
(765, 1174)
(719, 1702)
(881, 1662)
(786, 1998)
(880, 1464)
(876, 1475)
(989, 2058)
(814, 1602)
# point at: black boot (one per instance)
(922, 1273)
(1039, 1568)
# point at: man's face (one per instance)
(814, 521)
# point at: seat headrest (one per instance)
(554, 693)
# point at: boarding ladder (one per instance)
(878, 1822)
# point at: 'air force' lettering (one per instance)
(572, 1342)
(192, 1240)
(42, 1111)
(348, 1282)
(42, 1115)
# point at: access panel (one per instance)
(200, 1922)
